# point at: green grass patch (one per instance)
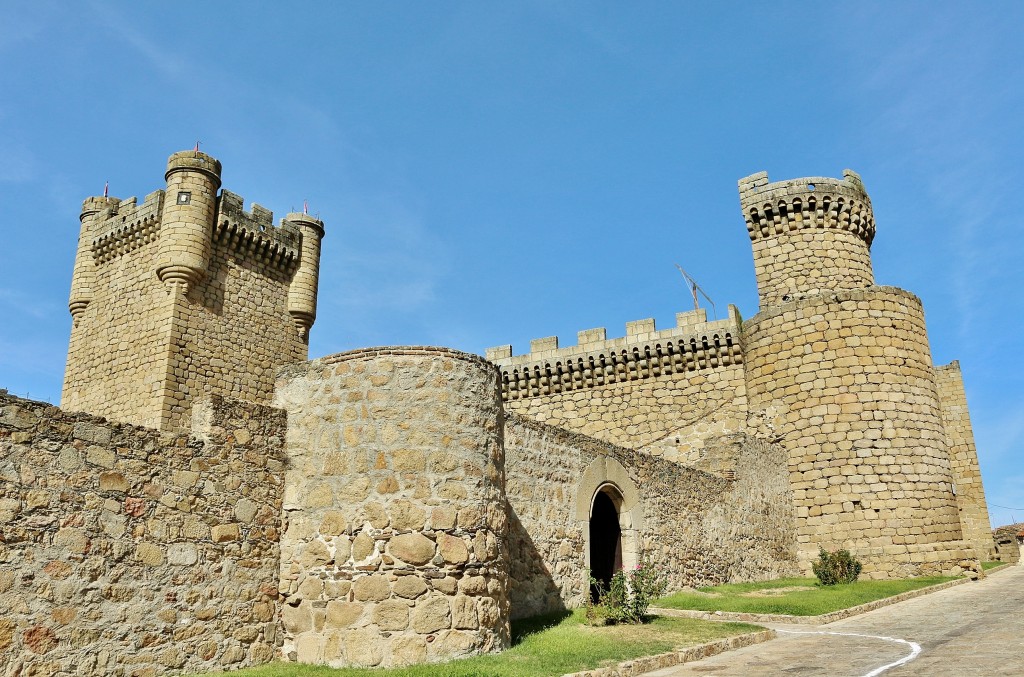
(792, 596)
(991, 565)
(544, 646)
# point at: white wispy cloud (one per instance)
(394, 264)
(22, 303)
(167, 62)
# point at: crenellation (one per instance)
(591, 341)
(588, 336)
(541, 347)
(691, 317)
(619, 360)
(127, 226)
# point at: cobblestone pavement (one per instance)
(967, 630)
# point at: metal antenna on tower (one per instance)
(695, 289)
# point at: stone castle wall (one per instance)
(664, 391)
(125, 551)
(697, 527)
(184, 295)
(970, 494)
(845, 381)
(396, 521)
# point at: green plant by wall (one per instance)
(628, 597)
(836, 567)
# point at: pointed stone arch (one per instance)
(610, 511)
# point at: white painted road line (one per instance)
(915, 649)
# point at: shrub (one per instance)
(836, 567)
(627, 599)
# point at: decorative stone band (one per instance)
(596, 369)
(127, 227)
(772, 209)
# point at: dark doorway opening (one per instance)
(605, 541)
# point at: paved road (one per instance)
(967, 630)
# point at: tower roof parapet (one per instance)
(304, 219)
(774, 208)
(195, 161)
(97, 205)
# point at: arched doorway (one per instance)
(605, 537)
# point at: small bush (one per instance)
(836, 567)
(627, 599)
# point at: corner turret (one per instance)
(193, 179)
(94, 210)
(810, 235)
(302, 291)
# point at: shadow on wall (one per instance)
(532, 589)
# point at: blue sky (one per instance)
(494, 172)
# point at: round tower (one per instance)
(809, 235)
(396, 515)
(193, 179)
(94, 209)
(302, 291)
(839, 371)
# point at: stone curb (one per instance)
(823, 619)
(639, 666)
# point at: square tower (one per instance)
(183, 294)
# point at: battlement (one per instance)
(253, 233)
(124, 225)
(772, 209)
(694, 343)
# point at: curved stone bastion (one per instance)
(394, 512)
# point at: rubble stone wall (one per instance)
(698, 527)
(394, 549)
(125, 551)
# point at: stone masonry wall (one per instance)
(394, 549)
(845, 382)
(663, 391)
(117, 356)
(240, 301)
(1007, 543)
(697, 527)
(125, 551)
(970, 494)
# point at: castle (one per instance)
(222, 502)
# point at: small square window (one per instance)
(184, 197)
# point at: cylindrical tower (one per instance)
(809, 235)
(845, 380)
(394, 547)
(302, 291)
(186, 226)
(840, 371)
(84, 276)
